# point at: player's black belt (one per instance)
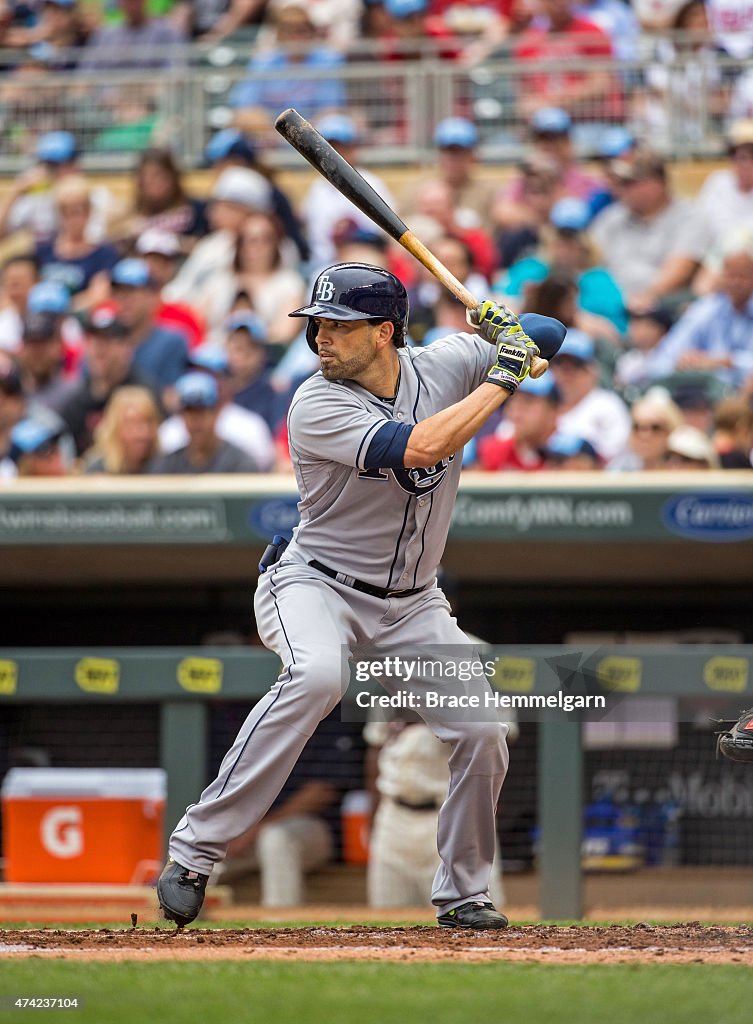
(365, 588)
(426, 805)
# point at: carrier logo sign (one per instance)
(716, 518)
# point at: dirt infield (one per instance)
(681, 943)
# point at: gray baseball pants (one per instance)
(314, 624)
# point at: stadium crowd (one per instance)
(151, 335)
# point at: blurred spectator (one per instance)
(409, 25)
(16, 406)
(570, 453)
(161, 201)
(684, 93)
(199, 404)
(126, 439)
(435, 201)
(586, 94)
(427, 292)
(652, 242)
(690, 448)
(258, 271)
(653, 418)
(715, 333)
(41, 356)
(161, 252)
(159, 353)
(12, 406)
(248, 359)
(616, 142)
(323, 206)
(550, 132)
(139, 41)
(242, 428)
(456, 139)
(449, 318)
(587, 410)
(59, 25)
(18, 276)
(236, 193)
(234, 148)
(733, 432)
(567, 246)
(519, 441)
(523, 207)
(617, 20)
(108, 365)
(732, 26)
(210, 21)
(634, 368)
(725, 199)
(28, 204)
(69, 258)
(297, 43)
(37, 450)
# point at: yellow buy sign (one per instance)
(98, 675)
(200, 675)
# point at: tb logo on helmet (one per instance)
(325, 289)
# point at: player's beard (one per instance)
(351, 367)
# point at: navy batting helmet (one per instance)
(357, 291)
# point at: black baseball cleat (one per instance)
(473, 914)
(180, 892)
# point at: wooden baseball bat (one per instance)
(320, 154)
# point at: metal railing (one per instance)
(680, 105)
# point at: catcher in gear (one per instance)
(737, 743)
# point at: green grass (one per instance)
(259, 992)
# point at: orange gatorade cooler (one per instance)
(354, 813)
(83, 824)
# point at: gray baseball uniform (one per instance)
(368, 519)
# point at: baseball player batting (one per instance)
(374, 438)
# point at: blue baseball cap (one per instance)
(245, 320)
(197, 391)
(456, 131)
(566, 446)
(56, 148)
(578, 345)
(230, 142)
(405, 8)
(49, 297)
(551, 121)
(570, 214)
(30, 436)
(615, 142)
(540, 387)
(338, 128)
(132, 273)
(209, 357)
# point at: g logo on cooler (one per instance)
(61, 832)
(324, 289)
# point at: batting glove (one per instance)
(515, 350)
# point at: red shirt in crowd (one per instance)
(581, 38)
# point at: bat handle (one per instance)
(415, 246)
